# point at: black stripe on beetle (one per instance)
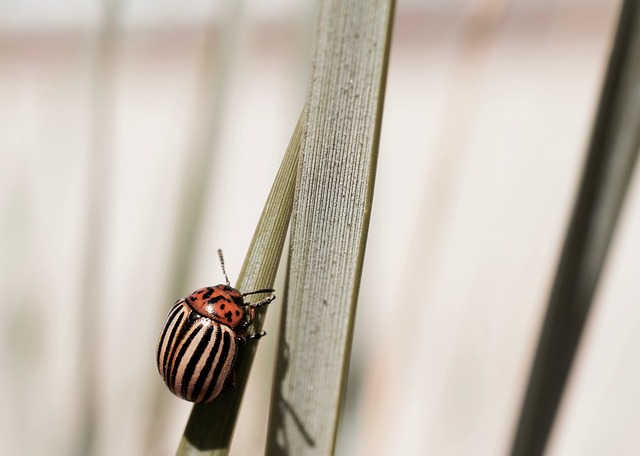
(195, 360)
(169, 346)
(197, 347)
(206, 370)
(172, 315)
(178, 359)
(177, 336)
(216, 380)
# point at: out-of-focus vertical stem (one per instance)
(99, 174)
(609, 164)
(221, 43)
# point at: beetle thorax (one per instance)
(221, 303)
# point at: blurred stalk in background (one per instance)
(92, 305)
(606, 175)
(222, 41)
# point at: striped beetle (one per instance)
(199, 341)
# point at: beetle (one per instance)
(199, 342)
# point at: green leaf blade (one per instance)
(329, 225)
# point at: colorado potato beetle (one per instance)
(199, 341)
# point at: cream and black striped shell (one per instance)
(199, 341)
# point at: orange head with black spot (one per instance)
(221, 303)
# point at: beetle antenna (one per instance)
(222, 264)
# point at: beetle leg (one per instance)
(243, 338)
(256, 336)
(252, 314)
(264, 301)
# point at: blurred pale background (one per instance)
(113, 116)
